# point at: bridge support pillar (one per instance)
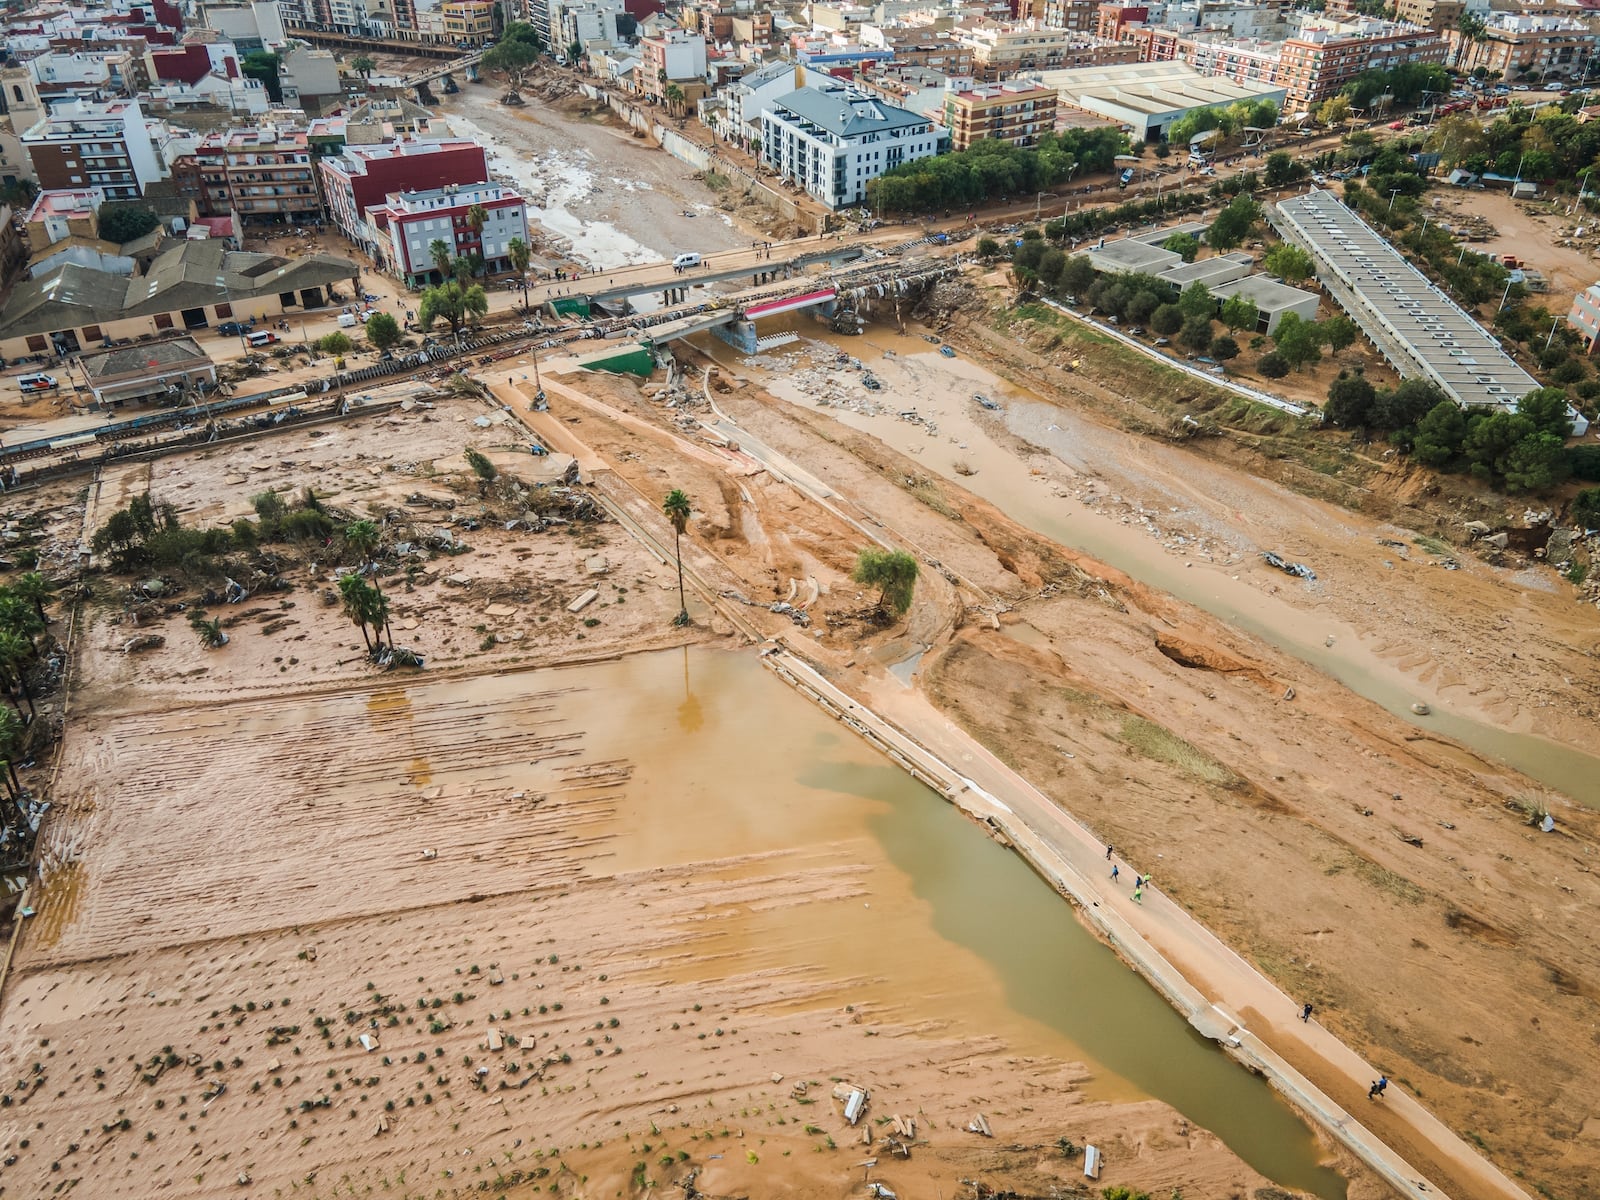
(741, 335)
(472, 72)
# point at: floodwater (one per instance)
(942, 926)
(942, 389)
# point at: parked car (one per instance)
(1163, 341)
(264, 337)
(233, 329)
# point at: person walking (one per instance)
(1138, 894)
(1305, 1014)
(1114, 872)
(1108, 853)
(1378, 1087)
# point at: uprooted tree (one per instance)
(892, 572)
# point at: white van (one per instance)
(264, 337)
(684, 261)
(37, 383)
(346, 320)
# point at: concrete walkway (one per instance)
(1221, 995)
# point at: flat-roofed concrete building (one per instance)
(1149, 97)
(1420, 330)
(1273, 300)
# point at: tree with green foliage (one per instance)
(485, 470)
(1350, 401)
(1297, 341)
(1490, 440)
(1077, 276)
(1289, 263)
(892, 572)
(967, 178)
(1403, 406)
(1547, 408)
(264, 66)
(1234, 223)
(1339, 332)
(1586, 509)
(363, 537)
(1224, 348)
(13, 730)
(521, 257)
(441, 253)
(512, 58)
(1281, 169)
(988, 249)
(1195, 335)
(1440, 435)
(356, 603)
(1185, 245)
(1239, 312)
(452, 302)
(1197, 303)
(208, 630)
(1273, 365)
(1167, 320)
(678, 508)
(122, 223)
(521, 31)
(336, 343)
(383, 332)
(36, 590)
(363, 66)
(1537, 463)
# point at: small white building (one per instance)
(408, 223)
(832, 140)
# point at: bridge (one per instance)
(758, 270)
(733, 318)
(467, 62)
(333, 39)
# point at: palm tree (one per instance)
(34, 588)
(16, 651)
(477, 218)
(363, 537)
(674, 97)
(519, 254)
(11, 730)
(678, 508)
(363, 66)
(439, 250)
(353, 594)
(377, 613)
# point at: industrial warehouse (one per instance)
(1419, 329)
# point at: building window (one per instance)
(37, 344)
(163, 321)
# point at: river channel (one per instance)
(941, 390)
(951, 930)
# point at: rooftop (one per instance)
(66, 202)
(454, 196)
(1149, 87)
(1420, 329)
(1126, 254)
(177, 353)
(845, 112)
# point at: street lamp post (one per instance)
(1039, 202)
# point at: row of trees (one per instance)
(1229, 120)
(989, 169)
(1549, 144)
(1521, 451)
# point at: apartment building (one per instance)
(1516, 45)
(1438, 15)
(1075, 16)
(408, 223)
(1003, 112)
(676, 58)
(1324, 56)
(1112, 20)
(469, 21)
(265, 175)
(833, 140)
(364, 176)
(85, 144)
(1585, 316)
(1001, 51)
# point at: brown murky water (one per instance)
(945, 928)
(942, 389)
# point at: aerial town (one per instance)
(733, 598)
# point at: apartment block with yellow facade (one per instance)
(1004, 112)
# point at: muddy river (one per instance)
(941, 390)
(950, 929)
